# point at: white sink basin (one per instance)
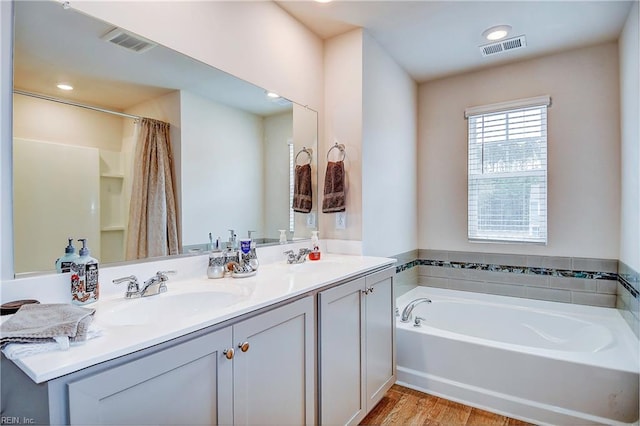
(164, 307)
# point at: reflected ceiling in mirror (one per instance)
(234, 147)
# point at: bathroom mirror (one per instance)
(234, 147)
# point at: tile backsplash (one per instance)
(585, 281)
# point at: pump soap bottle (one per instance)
(63, 264)
(84, 277)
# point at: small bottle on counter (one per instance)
(84, 277)
(315, 246)
(63, 264)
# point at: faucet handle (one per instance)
(133, 289)
(130, 279)
(162, 275)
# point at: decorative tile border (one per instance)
(511, 269)
(629, 278)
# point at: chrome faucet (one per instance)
(151, 287)
(406, 312)
(297, 258)
(133, 289)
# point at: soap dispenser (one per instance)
(84, 277)
(63, 264)
(283, 236)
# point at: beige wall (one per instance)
(254, 40)
(278, 131)
(630, 140)
(343, 123)
(217, 195)
(583, 151)
(48, 121)
(389, 166)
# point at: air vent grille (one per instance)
(504, 46)
(127, 40)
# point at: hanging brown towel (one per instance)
(302, 190)
(334, 196)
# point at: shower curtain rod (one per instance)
(67, 102)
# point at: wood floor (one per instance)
(404, 406)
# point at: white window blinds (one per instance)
(507, 174)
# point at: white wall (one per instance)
(629, 46)
(43, 120)
(583, 151)
(254, 40)
(215, 192)
(343, 122)
(278, 131)
(389, 166)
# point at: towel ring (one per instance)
(307, 151)
(339, 147)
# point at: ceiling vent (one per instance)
(504, 46)
(128, 41)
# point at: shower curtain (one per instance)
(153, 223)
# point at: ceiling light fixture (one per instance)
(497, 32)
(64, 86)
(273, 95)
(323, 1)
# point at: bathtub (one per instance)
(542, 362)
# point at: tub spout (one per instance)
(406, 313)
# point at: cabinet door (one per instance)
(380, 336)
(341, 346)
(274, 379)
(189, 383)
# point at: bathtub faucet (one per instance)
(406, 313)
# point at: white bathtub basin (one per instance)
(543, 362)
(525, 326)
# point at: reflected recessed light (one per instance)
(497, 33)
(273, 95)
(323, 1)
(64, 86)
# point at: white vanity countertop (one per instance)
(132, 325)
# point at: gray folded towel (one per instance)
(334, 193)
(37, 323)
(302, 189)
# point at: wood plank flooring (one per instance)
(404, 406)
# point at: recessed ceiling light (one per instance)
(64, 86)
(273, 95)
(496, 33)
(323, 1)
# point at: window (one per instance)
(507, 172)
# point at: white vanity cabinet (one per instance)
(257, 370)
(189, 383)
(239, 375)
(356, 347)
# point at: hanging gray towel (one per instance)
(302, 190)
(334, 195)
(37, 323)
